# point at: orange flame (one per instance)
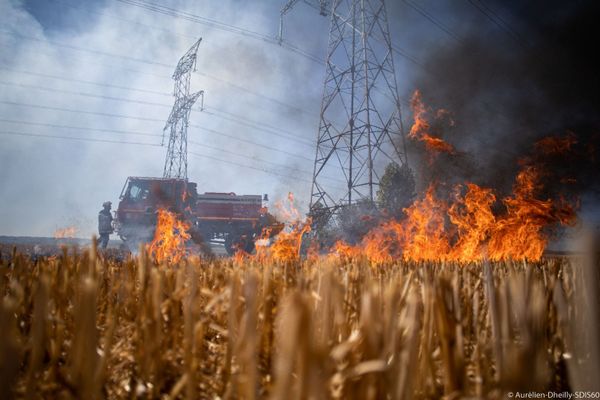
(424, 237)
(519, 233)
(471, 225)
(467, 229)
(288, 244)
(421, 127)
(65, 233)
(473, 217)
(261, 244)
(343, 249)
(240, 256)
(421, 236)
(184, 195)
(169, 238)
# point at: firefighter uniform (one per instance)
(104, 224)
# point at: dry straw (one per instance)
(88, 326)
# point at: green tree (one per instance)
(396, 189)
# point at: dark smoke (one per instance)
(507, 90)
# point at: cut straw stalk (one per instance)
(88, 325)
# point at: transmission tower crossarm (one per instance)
(181, 105)
(321, 5)
(284, 10)
(187, 62)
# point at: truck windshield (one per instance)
(138, 191)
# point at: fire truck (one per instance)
(235, 220)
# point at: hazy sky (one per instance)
(57, 54)
(102, 70)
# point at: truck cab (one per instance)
(234, 220)
(140, 199)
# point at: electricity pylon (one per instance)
(177, 124)
(360, 130)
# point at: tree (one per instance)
(356, 220)
(396, 189)
(349, 223)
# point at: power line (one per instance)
(92, 95)
(480, 6)
(294, 169)
(262, 96)
(410, 58)
(13, 133)
(199, 144)
(257, 125)
(248, 166)
(77, 138)
(106, 85)
(175, 13)
(218, 25)
(87, 50)
(235, 118)
(231, 28)
(503, 22)
(118, 56)
(433, 20)
(145, 119)
(497, 20)
(241, 88)
(112, 115)
(15, 103)
(242, 31)
(253, 143)
(106, 54)
(395, 48)
(77, 7)
(181, 35)
(100, 84)
(79, 128)
(295, 178)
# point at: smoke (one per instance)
(533, 76)
(254, 136)
(504, 93)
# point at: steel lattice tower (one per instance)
(177, 124)
(360, 128)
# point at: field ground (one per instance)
(47, 246)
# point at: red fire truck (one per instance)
(235, 220)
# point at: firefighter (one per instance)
(105, 224)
